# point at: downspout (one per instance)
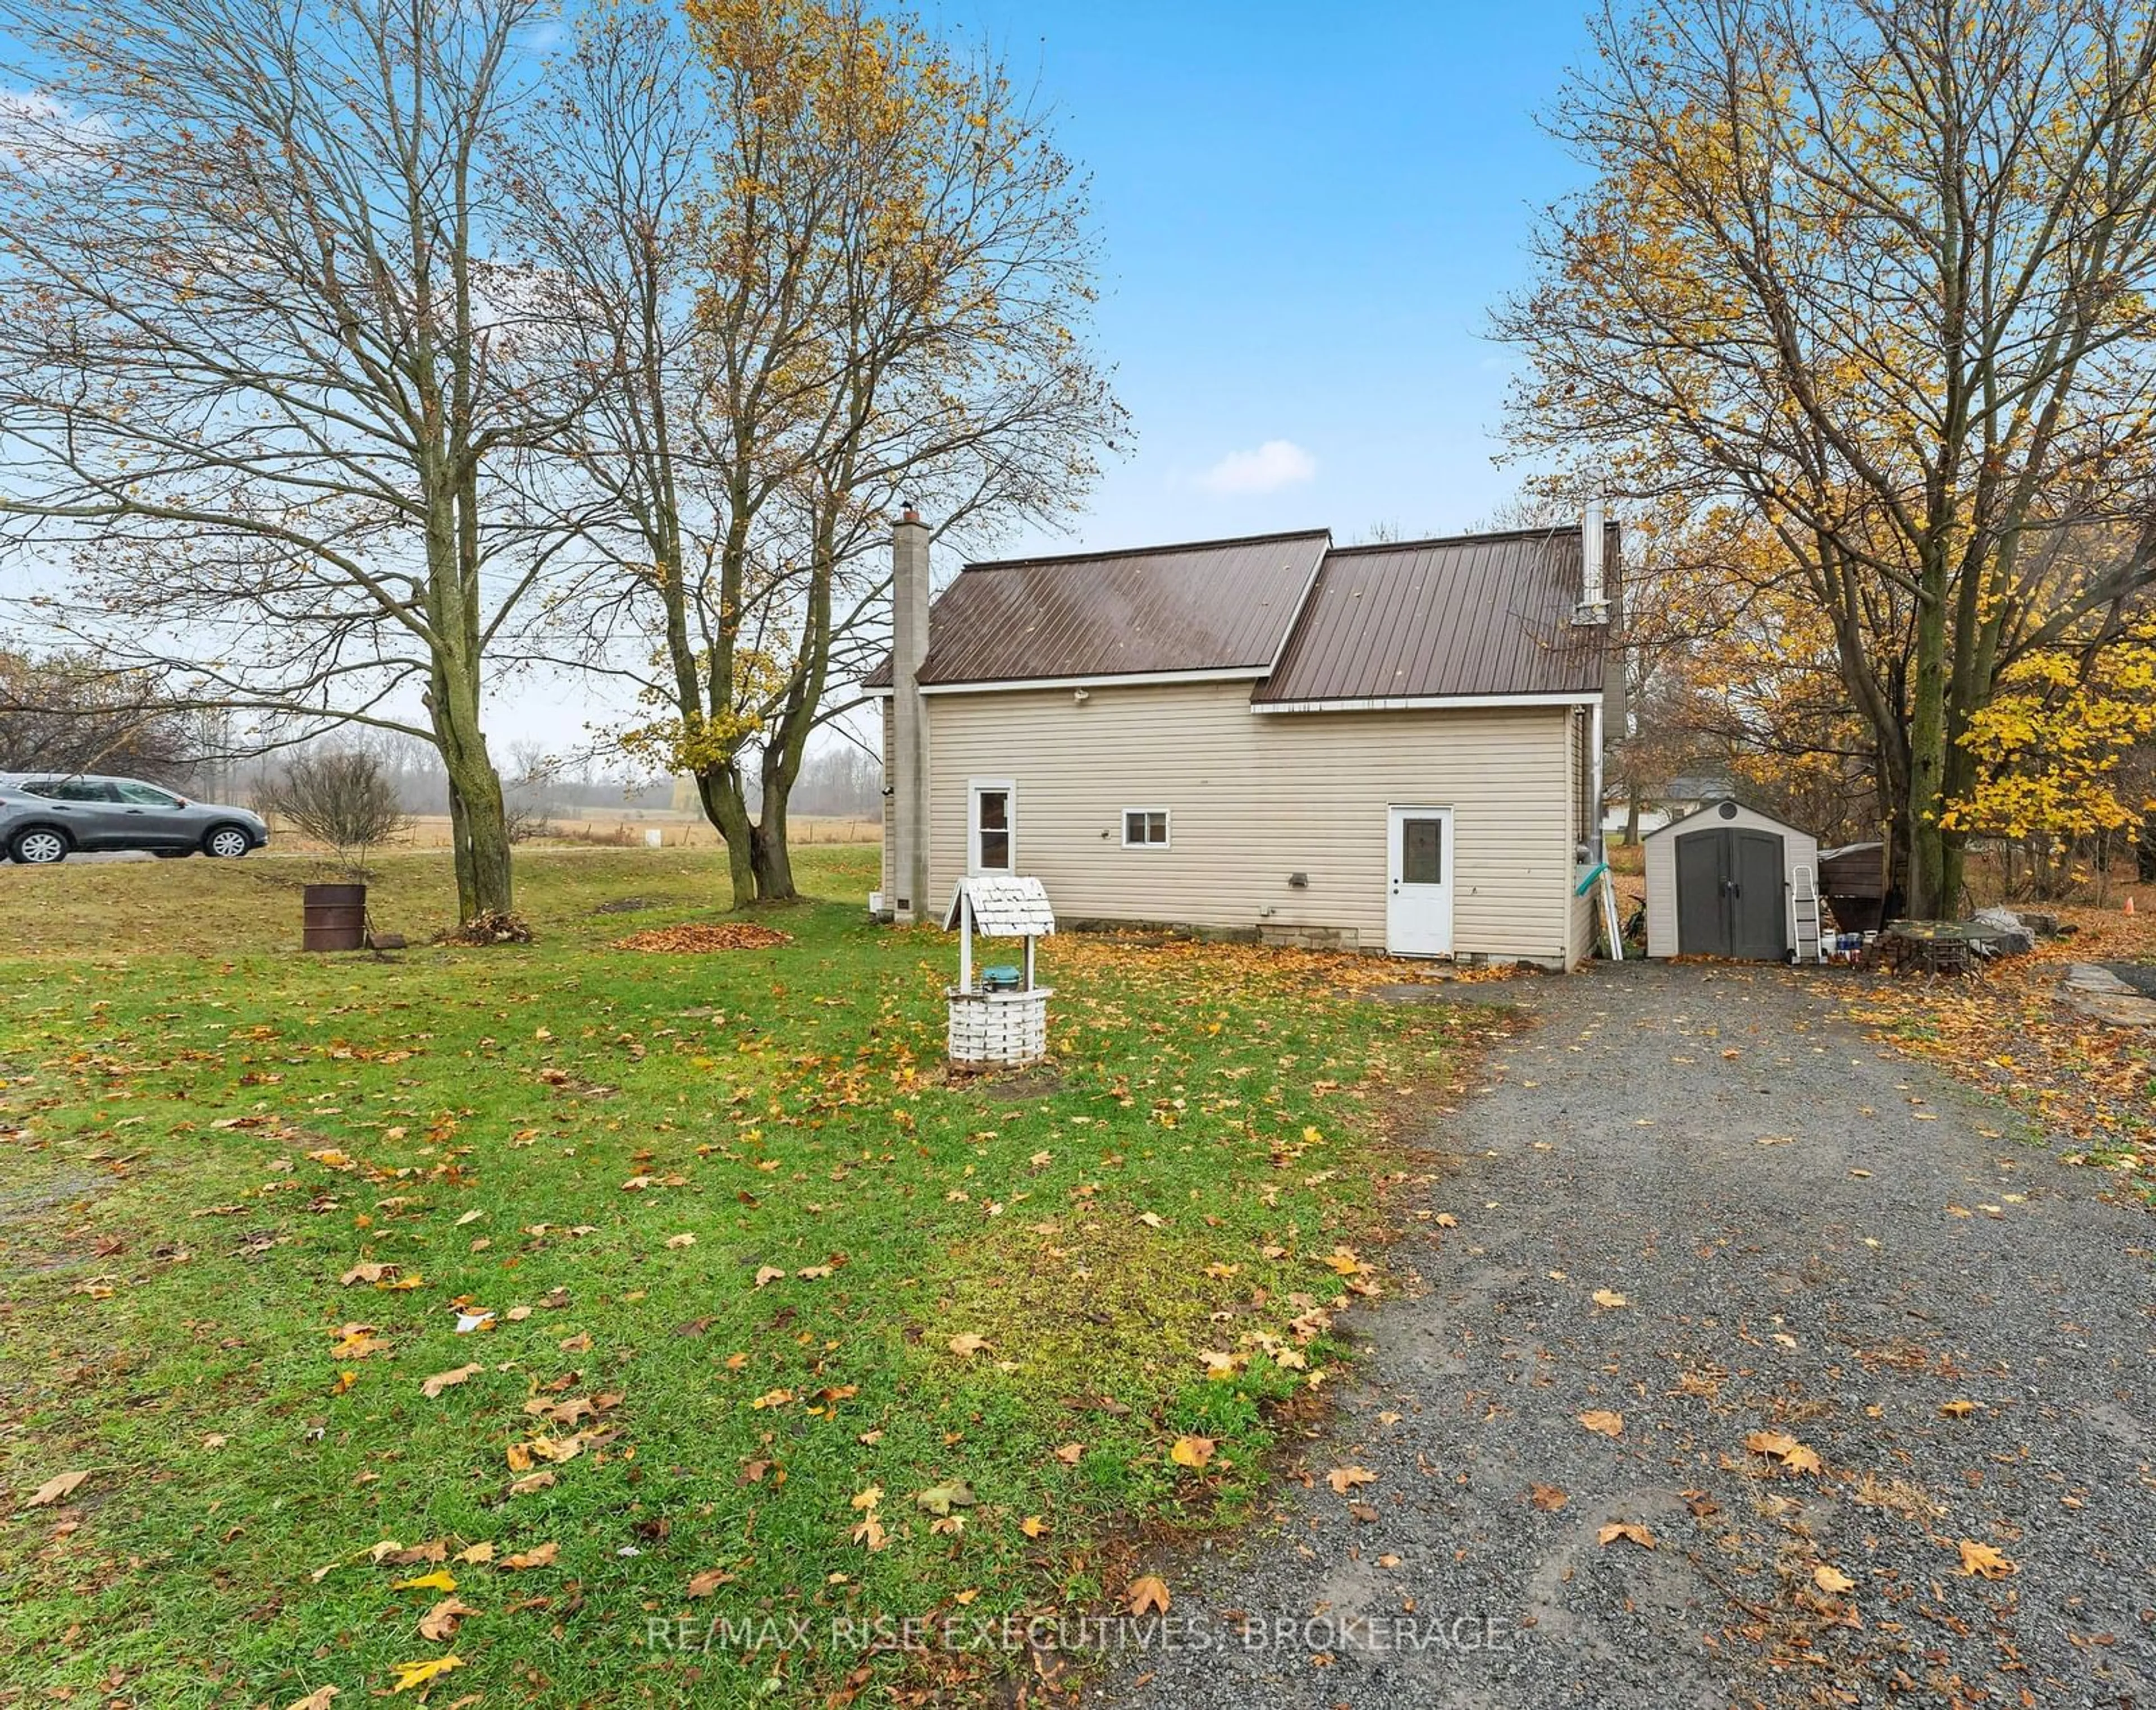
(1598, 852)
(1594, 612)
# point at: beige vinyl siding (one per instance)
(1253, 797)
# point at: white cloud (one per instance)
(39, 135)
(1277, 463)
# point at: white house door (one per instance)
(1418, 873)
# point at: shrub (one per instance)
(340, 797)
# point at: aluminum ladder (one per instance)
(1804, 915)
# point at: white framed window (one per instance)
(991, 825)
(1145, 827)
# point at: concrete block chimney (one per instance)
(909, 780)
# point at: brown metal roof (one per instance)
(1210, 605)
(1466, 615)
(1473, 614)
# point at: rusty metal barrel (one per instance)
(334, 917)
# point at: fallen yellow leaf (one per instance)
(1981, 1561)
(1627, 1531)
(439, 1623)
(1602, 1420)
(1832, 1580)
(1781, 1446)
(53, 1489)
(1148, 1594)
(1192, 1452)
(419, 1674)
(1344, 1479)
(443, 1380)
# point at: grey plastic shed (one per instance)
(1720, 881)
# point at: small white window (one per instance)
(991, 828)
(1145, 827)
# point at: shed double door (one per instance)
(1730, 900)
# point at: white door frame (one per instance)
(975, 788)
(1419, 921)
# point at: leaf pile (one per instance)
(691, 941)
(493, 926)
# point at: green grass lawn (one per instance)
(734, 1227)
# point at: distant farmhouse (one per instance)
(1392, 747)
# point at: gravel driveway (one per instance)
(1813, 1238)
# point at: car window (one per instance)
(146, 795)
(70, 789)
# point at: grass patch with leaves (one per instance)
(716, 1273)
(2086, 1087)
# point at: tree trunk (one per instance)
(719, 788)
(479, 825)
(486, 839)
(1932, 886)
(1632, 814)
(774, 860)
(786, 745)
(461, 856)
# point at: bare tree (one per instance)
(528, 791)
(68, 713)
(839, 266)
(259, 373)
(340, 797)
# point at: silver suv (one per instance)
(45, 817)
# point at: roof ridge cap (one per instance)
(1548, 531)
(1241, 540)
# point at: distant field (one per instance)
(627, 827)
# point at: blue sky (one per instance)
(1308, 212)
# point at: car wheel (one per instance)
(39, 847)
(228, 843)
